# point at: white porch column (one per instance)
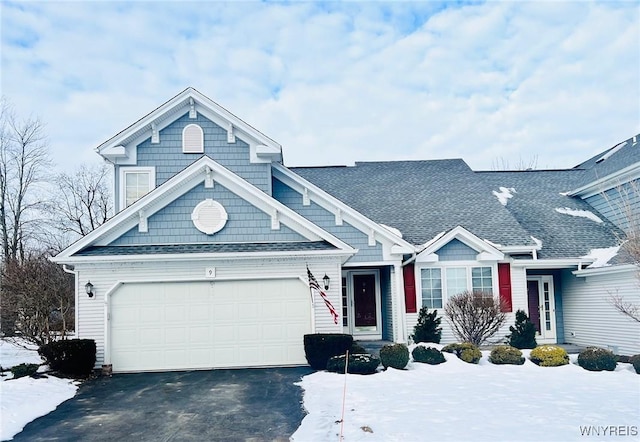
(400, 330)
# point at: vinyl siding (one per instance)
(589, 318)
(91, 311)
(456, 250)
(173, 224)
(326, 220)
(387, 287)
(621, 205)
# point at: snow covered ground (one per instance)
(25, 399)
(456, 401)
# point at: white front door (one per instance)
(542, 311)
(363, 310)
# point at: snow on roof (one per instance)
(601, 257)
(504, 194)
(392, 230)
(580, 213)
(537, 241)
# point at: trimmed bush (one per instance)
(358, 364)
(357, 349)
(466, 351)
(428, 355)
(394, 356)
(71, 356)
(318, 348)
(597, 359)
(506, 354)
(635, 361)
(549, 356)
(523, 332)
(427, 329)
(23, 370)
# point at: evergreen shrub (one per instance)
(357, 349)
(635, 361)
(358, 364)
(466, 351)
(549, 356)
(506, 354)
(428, 355)
(523, 332)
(318, 348)
(70, 356)
(23, 370)
(394, 356)
(597, 359)
(427, 329)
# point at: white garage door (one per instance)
(174, 326)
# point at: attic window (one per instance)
(209, 216)
(192, 139)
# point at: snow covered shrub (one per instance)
(358, 364)
(635, 361)
(318, 348)
(394, 356)
(523, 334)
(506, 354)
(24, 369)
(597, 359)
(428, 355)
(70, 356)
(428, 327)
(466, 351)
(549, 356)
(475, 316)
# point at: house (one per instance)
(204, 264)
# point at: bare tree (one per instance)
(475, 316)
(83, 199)
(522, 164)
(626, 308)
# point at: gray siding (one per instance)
(173, 225)
(168, 159)
(326, 220)
(387, 303)
(456, 250)
(621, 205)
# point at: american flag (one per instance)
(313, 284)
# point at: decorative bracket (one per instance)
(338, 215)
(231, 137)
(192, 109)
(275, 222)
(208, 179)
(372, 238)
(143, 225)
(155, 135)
(305, 197)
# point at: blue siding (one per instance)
(326, 220)
(173, 225)
(386, 301)
(168, 159)
(456, 250)
(621, 205)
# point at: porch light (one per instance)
(89, 289)
(326, 280)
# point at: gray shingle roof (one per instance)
(538, 194)
(168, 249)
(622, 155)
(421, 198)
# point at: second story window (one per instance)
(135, 182)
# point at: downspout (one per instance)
(76, 296)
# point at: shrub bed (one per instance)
(23, 370)
(358, 364)
(549, 356)
(71, 356)
(597, 359)
(320, 347)
(394, 356)
(466, 351)
(506, 354)
(428, 355)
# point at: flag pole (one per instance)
(344, 392)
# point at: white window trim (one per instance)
(184, 130)
(121, 179)
(443, 265)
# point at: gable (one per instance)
(456, 250)
(458, 244)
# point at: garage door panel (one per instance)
(209, 325)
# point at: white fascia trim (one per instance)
(550, 263)
(333, 205)
(463, 235)
(520, 249)
(183, 182)
(616, 179)
(608, 270)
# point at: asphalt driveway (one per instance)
(216, 405)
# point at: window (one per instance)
(431, 288)
(456, 280)
(192, 139)
(481, 279)
(135, 183)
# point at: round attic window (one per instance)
(209, 216)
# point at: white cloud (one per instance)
(336, 83)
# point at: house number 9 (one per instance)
(210, 272)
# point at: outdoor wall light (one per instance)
(89, 288)
(326, 281)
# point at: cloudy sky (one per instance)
(334, 83)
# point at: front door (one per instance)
(542, 311)
(363, 304)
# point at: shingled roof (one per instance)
(421, 198)
(612, 160)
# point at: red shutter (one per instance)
(408, 273)
(504, 285)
